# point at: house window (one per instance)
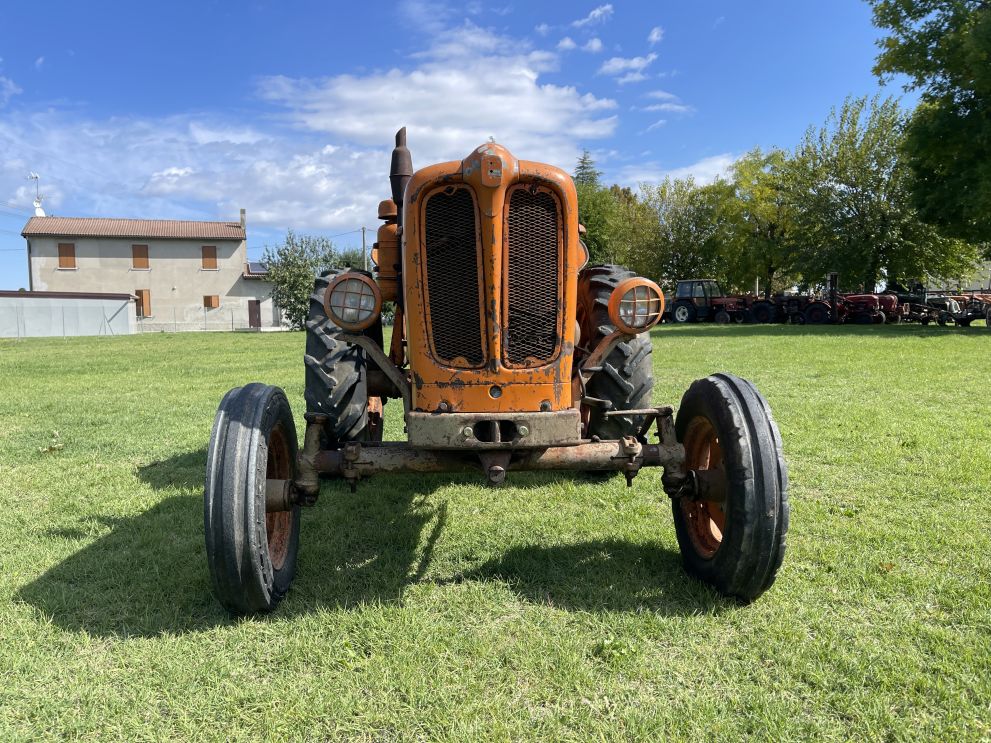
(210, 257)
(144, 302)
(211, 301)
(66, 255)
(139, 256)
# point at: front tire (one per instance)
(251, 554)
(738, 545)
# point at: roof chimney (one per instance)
(243, 221)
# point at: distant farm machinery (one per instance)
(702, 300)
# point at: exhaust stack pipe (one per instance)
(400, 172)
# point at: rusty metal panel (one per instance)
(482, 431)
(491, 172)
(533, 276)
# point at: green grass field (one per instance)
(431, 608)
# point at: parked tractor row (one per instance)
(702, 300)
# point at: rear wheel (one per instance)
(722, 317)
(684, 312)
(817, 314)
(336, 375)
(762, 312)
(251, 553)
(736, 545)
(626, 380)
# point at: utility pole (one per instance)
(364, 255)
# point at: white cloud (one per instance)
(203, 134)
(600, 14)
(322, 161)
(619, 65)
(656, 35)
(676, 108)
(543, 29)
(566, 44)
(593, 46)
(655, 125)
(447, 112)
(661, 95)
(704, 171)
(39, 62)
(631, 77)
(8, 89)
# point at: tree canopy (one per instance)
(841, 201)
(292, 267)
(944, 47)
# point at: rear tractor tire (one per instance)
(816, 314)
(762, 312)
(251, 553)
(626, 380)
(722, 317)
(684, 312)
(336, 376)
(737, 545)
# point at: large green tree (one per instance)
(944, 46)
(690, 231)
(596, 211)
(854, 212)
(760, 218)
(292, 267)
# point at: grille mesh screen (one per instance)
(534, 257)
(452, 276)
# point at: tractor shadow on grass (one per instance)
(147, 574)
(601, 576)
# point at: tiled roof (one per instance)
(131, 228)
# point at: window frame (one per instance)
(142, 310)
(211, 301)
(136, 258)
(206, 259)
(67, 256)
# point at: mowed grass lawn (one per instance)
(555, 607)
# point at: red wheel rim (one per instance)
(278, 524)
(704, 521)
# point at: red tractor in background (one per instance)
(700, 300)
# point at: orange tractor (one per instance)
(507, 353)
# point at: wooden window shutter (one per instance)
(66, 255)
(211, 301)
(210, 256)
(144, 302)
(139, 256)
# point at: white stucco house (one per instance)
(186, 275)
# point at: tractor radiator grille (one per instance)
(452, 255)
(533, 277)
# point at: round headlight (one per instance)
(636, 305)
(353, 301)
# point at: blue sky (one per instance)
(194, 109)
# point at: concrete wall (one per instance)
(27, 316)
(176, 279)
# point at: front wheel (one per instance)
(735, 545)
(251, 553)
